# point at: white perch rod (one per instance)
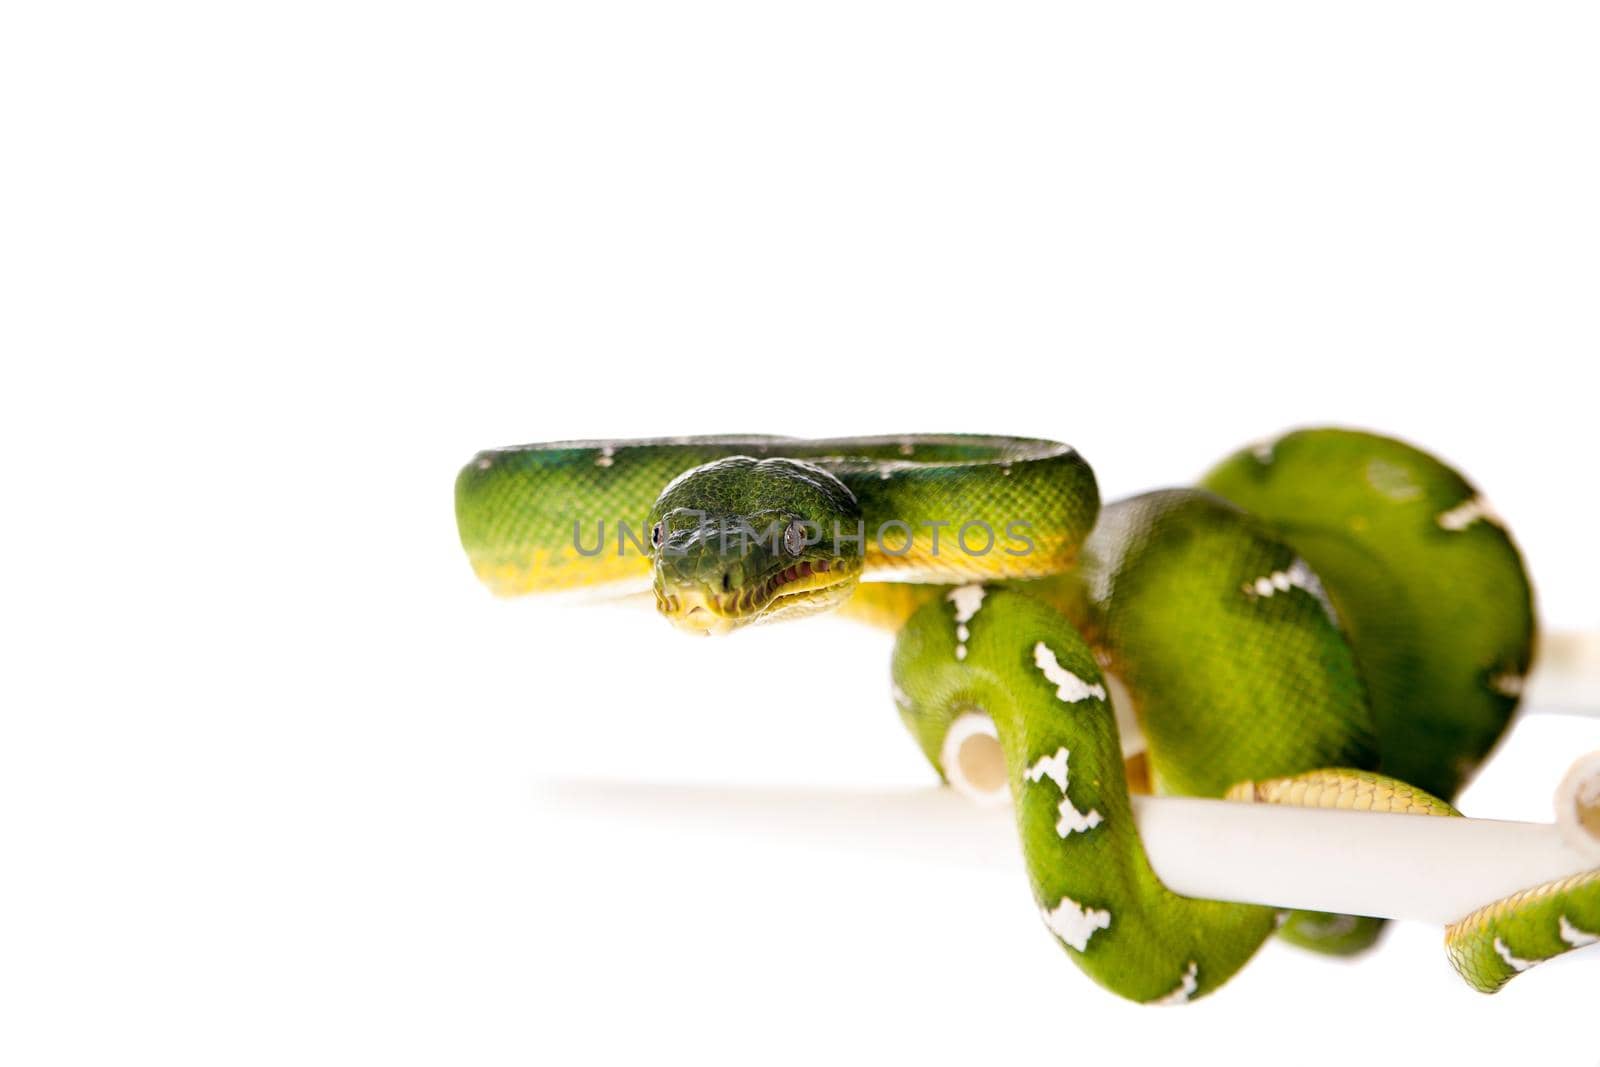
(1428, 868)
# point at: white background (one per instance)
(280, 783)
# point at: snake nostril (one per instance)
(727, 582)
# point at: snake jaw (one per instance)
(804, 588)
(695, 611)
(801, 588)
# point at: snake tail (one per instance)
(1498, 942)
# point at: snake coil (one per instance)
(1330, 619)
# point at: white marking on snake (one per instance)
(1071, 821)
(1466, 513)
(1298, 575)
(900, 697)
(1264, 448)
(967, 599)
(1186, 987)
(1392, 480)
(1515, 963)
(1507, 684)
(1327, 926)
(1069, 687)
(1575, 937)
(605, 460)
(1051, 767)
(1075, 924)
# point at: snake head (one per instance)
(742, 540)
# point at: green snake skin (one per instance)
(1432, 592)
(530, 516)
(1496, 943)
(1412, 558)
(1335, 619)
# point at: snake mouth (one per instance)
(800, 588)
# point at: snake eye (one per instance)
(655, 535)
(794, 539)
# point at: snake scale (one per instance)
(1332, 618)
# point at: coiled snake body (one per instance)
(1332, 619)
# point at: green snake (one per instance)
(1331, 619)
